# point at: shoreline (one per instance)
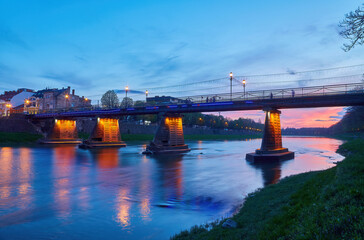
(22, 138)
(292, 207)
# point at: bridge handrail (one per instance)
(324, 90)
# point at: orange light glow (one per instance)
(67, 96)
(86, 99)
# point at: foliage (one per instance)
(214, 121)
(110, 99)
(127, 102)
(353, 121)
(315, 205)
(353, 28)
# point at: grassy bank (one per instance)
(6, 137)
(325, 204)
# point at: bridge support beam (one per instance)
(62, 131)
(106, 133)
(271, 148)
(169, 136)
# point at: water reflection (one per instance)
(105, 193)
(271, 170)
(106, 157)
(171, 175)
(63, 164)
(6, 169)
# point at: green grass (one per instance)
(6, 137)
(325, 204)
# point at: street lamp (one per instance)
(9, 109)
(126, 91)
(146, 95)
(67, 97)
(231, 86)
(244, 87)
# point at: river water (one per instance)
(68, 193)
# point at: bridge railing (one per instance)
(327, 90)
(278, 93)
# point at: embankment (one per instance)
(325, 204)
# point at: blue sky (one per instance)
(94, 46)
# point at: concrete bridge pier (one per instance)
(169, 136)
(106, 133)
(61, 131)
(271, 148)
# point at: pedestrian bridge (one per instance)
(169, 137)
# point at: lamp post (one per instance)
(244, 87)
(9, 109)
(146, 95)
(231, 86)
(26, 105)
(126, 91)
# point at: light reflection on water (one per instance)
(68, 193)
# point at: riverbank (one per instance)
(315, 205)
(18, 137)
(13, 137)
(149, 137)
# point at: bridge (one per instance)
(169, 136)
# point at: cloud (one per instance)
(68, 78)
(119, 91)
(8, 36)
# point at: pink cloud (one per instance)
(298, 118)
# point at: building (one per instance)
(8, 95)
(57, 100)
(27, 101)
(4, 108)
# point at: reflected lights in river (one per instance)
(6, 158)
(106, 157)
(63, 158)
(123, 208)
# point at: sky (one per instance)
(94, 46)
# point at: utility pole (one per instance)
(231, 86)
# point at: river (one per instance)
(68, 193)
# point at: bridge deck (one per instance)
(310, 97)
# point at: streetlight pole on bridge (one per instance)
(231, 86)
(244, 87)
(126, 91)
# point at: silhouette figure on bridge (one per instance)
(292, 93)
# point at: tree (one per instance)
(353, 28)
(127, 102)
(110, 99)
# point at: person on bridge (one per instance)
(292, 93)
(207, 99)
(271, 95)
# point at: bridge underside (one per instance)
(169, 136)
(105, 134)
(62, 132)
